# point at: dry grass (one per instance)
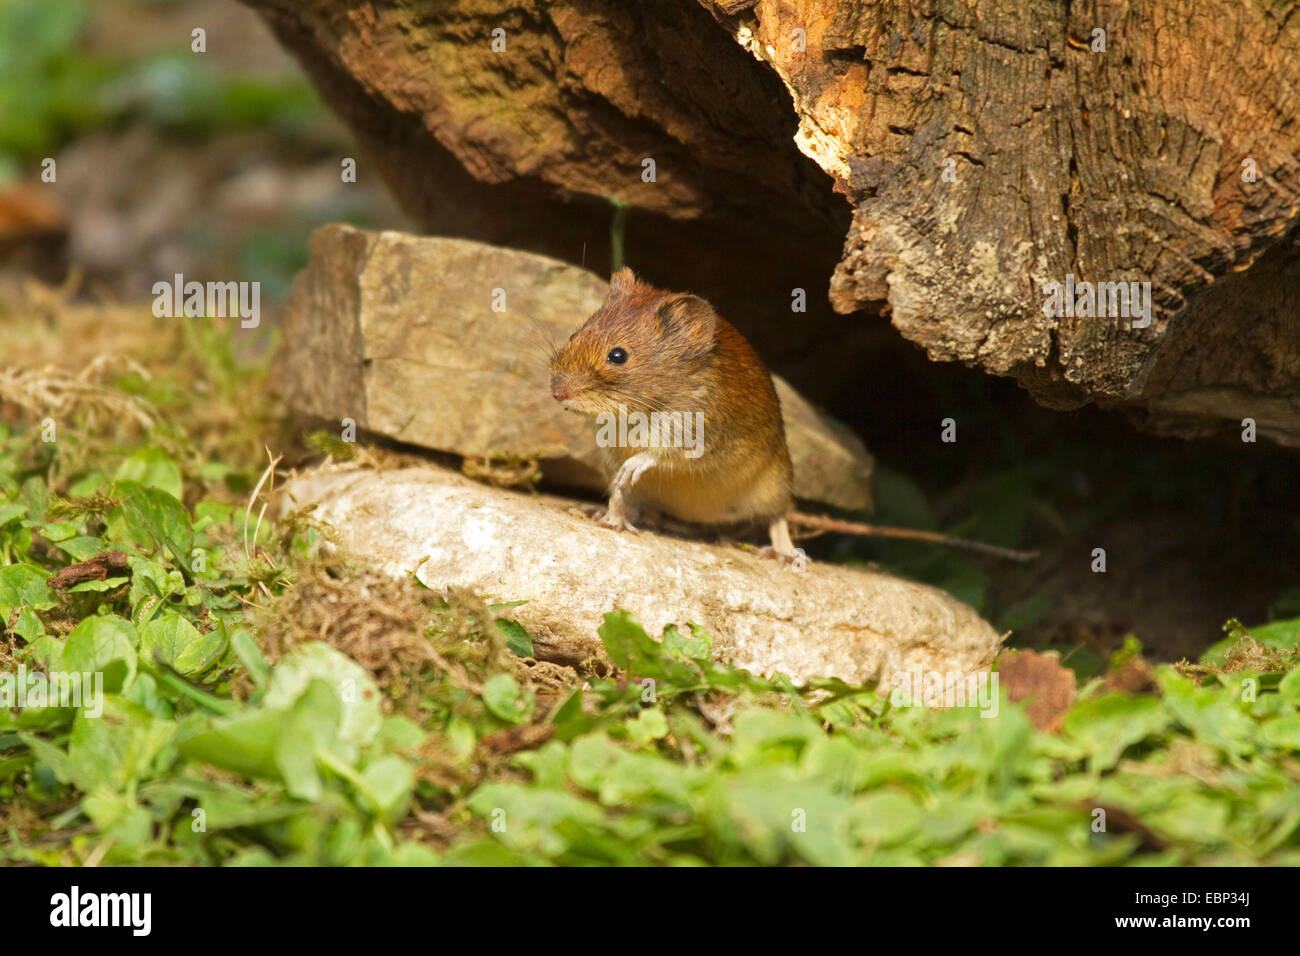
(408, 637)
(109, 375)
(1247, 654)
(57, 394)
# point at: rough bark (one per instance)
(1118, 165)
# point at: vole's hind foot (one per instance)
(782, 548)
(794, 559)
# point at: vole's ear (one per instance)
(622, 281)
(689, 320)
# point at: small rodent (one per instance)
(647, 350)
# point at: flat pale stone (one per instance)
(398, 333)
(825, 620)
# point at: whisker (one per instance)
(541, 341)
(536, 352)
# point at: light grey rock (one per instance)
(825, 620)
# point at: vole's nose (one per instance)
(560, 392)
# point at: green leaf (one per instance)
(357, 694)
(625, 640)
(533, 820)
(517, 638)
(636, 652)
(144, 691)
(244, 744)
(105, 644)
(1131, 649)
(58, 531)
(107, 584)
(570, 721)
(50, 755)
(886, 817)
(1289, 687)
(683, 648)
(1282, 732)
(118, 816)
(173, 641)
(22, 585)
(250, 655)
(504, 698)
(773, 817)
(34, 32)
(770, 736)
(310, 729)
(28, 625)
(37, 496)
(81, 547)
(480, 853)
(11, 511)
(117, 749)
(647, 726)
(1198, 818)
(152, 584)
(152, 468)
(1210, 713)
(1105, 726)
(401, 733)
(391, 781)
(151, 518)
(1084, 661)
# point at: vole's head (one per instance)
(643, 348)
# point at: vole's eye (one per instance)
(616, 356)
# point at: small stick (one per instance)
(823, 523)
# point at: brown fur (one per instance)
(683, 357)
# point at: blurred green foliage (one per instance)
(50, 89)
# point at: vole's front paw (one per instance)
(618, 522)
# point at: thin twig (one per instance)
(823, 523)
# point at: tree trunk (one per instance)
(938, 162)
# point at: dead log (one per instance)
(939, 163)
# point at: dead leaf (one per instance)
(1133, 675)
(98, 568)
(515, 739)
(1040, 678)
